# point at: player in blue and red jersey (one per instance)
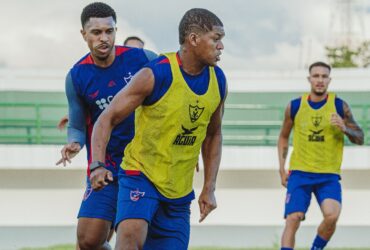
(181, 96)
(90, 86)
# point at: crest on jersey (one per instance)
(316, 120)
(128, 78)
(195, 112)
(135, 195)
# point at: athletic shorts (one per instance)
(100, 204)
(302, 184)
(168, 219)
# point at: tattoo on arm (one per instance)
(353, 130)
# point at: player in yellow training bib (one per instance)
(319, 120)
(181, 96)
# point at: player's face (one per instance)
(100, 34)
(210, 46)
(319, 79)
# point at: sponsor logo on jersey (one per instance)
(104, 102)
(316, 137)
(185, 138)
(111, 84)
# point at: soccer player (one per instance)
(134, 41)
(131, 41)
(182, 96)
(91, 84)
(320, 120)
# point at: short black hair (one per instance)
(133, 38)
(319, 64)
(97, 9)
(198, 20)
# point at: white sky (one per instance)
(263, 34)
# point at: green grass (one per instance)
(71, 247)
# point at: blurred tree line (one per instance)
(346, 57)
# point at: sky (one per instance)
(260, 35)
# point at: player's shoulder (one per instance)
(159, 64)
(161, 60)
(220, 74)
(125, 51)
(85, 60)
(218, 70)
(296, 100)
(338, 99)
(135, 54)
(82, 68)
(295, 103)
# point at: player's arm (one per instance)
(76, 132)
(348, 125)
(122, 105)
(211, 154)
(283, 144)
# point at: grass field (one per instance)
(71, 247)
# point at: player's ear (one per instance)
(193, 38)
(83, 33)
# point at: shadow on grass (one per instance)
(71, 247)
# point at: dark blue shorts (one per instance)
(302, 184)
(100, 204)
(168, 219)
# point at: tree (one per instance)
(341, 57)
(345, 57)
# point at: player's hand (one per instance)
(100, 177)
(284, 178)
(68, 152)
(337, 121)
(63, 122)
(207, 203)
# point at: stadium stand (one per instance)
(250, 118)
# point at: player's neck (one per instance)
(317, 98)
(189, 62)
(106, 62)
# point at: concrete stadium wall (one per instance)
(241, 81)
(39, 201)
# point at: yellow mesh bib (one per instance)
(317, 145)
(169, 134)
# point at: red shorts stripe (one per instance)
(132, 172)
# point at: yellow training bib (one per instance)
(170, 132)
(317, 145)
